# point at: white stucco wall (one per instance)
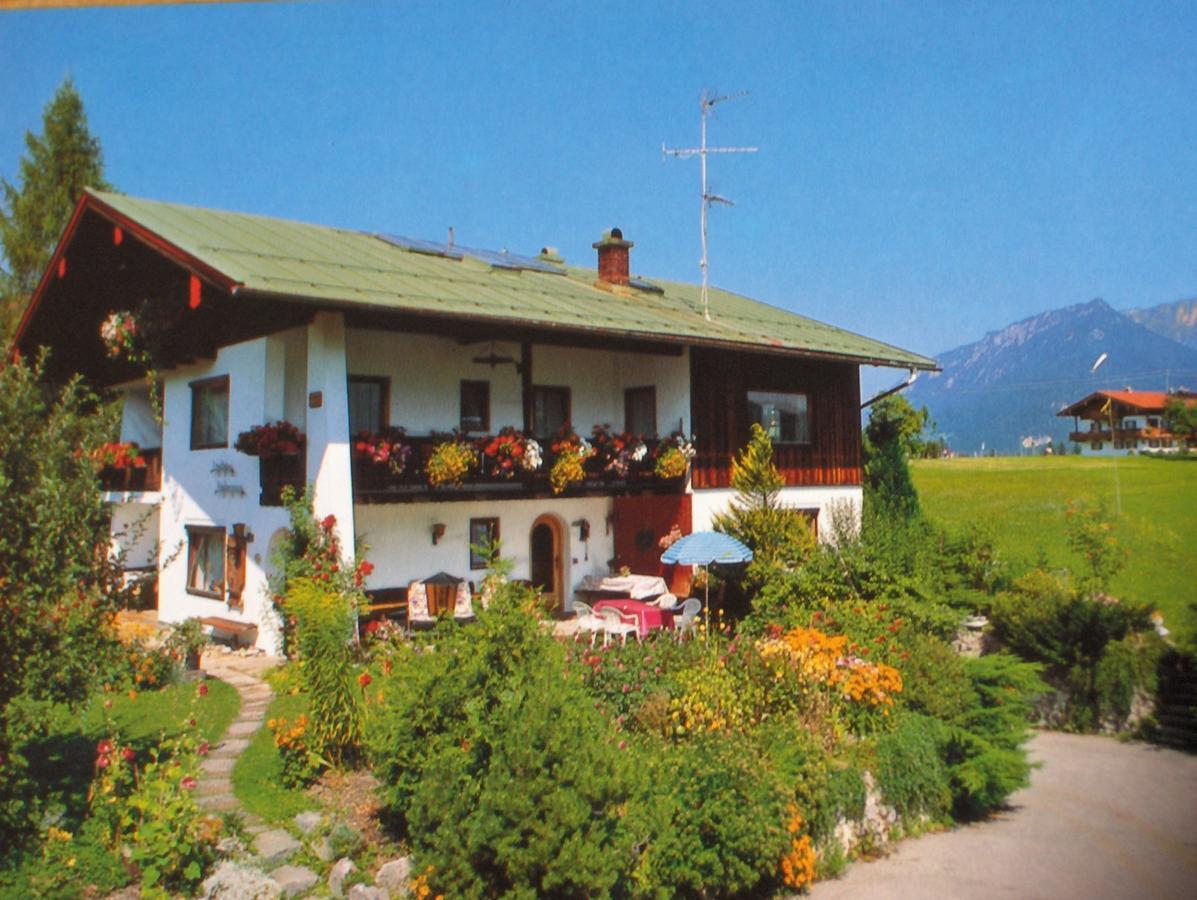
(135, 529)
(217, 487)
(399, 538)
(707, 503)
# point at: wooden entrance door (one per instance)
(640, 523)
(546, 559)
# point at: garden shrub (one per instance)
(909, 771)
(718, 810)
(1126, 667)
(325, 621)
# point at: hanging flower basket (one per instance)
(117, 455)
(387, 448)
(570, 453)
(119, 334)
(451, 461)
(672, 456)
(509, 453)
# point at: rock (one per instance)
(307, 822)
(294, 880)
(323, 850)
(395, 876)
(336, 878)
(367, 892)
(233, 881)
(275, 847)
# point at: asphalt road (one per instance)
(1100, 819)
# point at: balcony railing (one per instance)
(378, 483)
(278, 472)
(134, 479)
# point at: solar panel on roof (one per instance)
(641, 285)
(498, 259)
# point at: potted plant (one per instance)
(118, 455)
(510, 452)
(186, 642)
(616, 454)
(381, 457)
(570, 453)
(450, 462)
(118, 332)
(672, 456)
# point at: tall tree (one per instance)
(58, 164)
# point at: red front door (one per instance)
(641, 522)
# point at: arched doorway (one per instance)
(547, 557)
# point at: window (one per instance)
(783, 416)
(205, 561)
(550, 410)
(483, 533)
(475, 406)
(368, 398)
(640, 411)
(210, 413)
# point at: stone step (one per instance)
(213, 785)
(218, 802)
(243, 728)
(230, 745)
(218, 766)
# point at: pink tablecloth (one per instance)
(647, 616)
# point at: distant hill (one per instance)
(1010, 384)
(1173, 320)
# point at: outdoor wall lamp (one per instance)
(583, 526)
(438, 532)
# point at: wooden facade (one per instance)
(719, 384)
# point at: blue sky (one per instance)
(928, 171)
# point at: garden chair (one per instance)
(685, 623)
(463, 604)
(588, 620)
(417, 607)
(666, 601)
(617, 623)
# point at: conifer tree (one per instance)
(58, 164)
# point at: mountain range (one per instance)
(994, 394)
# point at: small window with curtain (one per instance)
(210, 413)
(484, 535)
(640, 411)
(784, 416)
(550, 410)
(368, 398)
(205, 561)
(475, 406)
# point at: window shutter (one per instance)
(236, 551)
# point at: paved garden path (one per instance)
(1100, 819)
(245, 674)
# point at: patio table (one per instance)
(638, 587)
(648, 617)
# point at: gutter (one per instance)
(914, 373)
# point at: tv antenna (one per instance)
(707, 102)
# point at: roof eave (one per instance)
(921, 363)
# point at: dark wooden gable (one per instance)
(719, 384)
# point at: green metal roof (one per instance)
(338, 267)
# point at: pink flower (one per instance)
(329, 522)
(104, 747)
(202, 749)
(623, 745)
(364, 679)
(626, 688)
(203, 690)
(101, 762)
(128, 754)
(188, 784)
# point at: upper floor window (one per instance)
(550, 410)
(210, 413)
(784, 417)
(368, 398)
(205, 561)
(640, 411)
(475, 406)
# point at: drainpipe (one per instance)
(903, 386)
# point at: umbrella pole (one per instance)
(706, 605)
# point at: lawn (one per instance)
(62, 763)
(1022, 501)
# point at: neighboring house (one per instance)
(1117, 423)
(255, 320)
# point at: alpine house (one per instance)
(434, 397)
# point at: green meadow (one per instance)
(1021, 501)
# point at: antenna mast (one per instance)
(707, 102)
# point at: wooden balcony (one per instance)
(377, 483)
(134, 479)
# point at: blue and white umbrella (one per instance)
(704, 548)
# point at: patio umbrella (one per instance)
(703, 548)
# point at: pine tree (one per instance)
(58, 164)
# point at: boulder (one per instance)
(307, 822)
(294, 880)
(275, 847)
(367, 892)
(336, 878)
(233, 881)
(395, 876)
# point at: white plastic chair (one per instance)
(463, 603)
(588, 620)
(666, 601)
(616, 622)
(685, 623)
(417, 605)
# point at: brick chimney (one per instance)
(613, 250)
